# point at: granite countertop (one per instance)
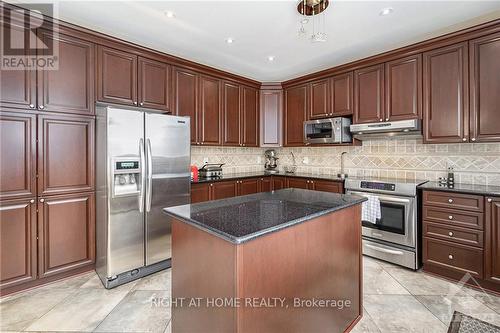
(231, 176)
(240, 219)
(463, 188)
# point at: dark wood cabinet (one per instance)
(66, 233)
(209, 117)
(185, 103)
(369, 94)
(271, 116)
(266, 184)
(320, 99)
(154, 84)
(326, 186)
(279, 183)
(17, 155)
(232, 114)
(296, 106)
(492, 240)
(65, 154)
(485, 88)
(223, 189)
(17, 242)
(297, 183)
(250, 117)
(403, 88)
(446, 94)
(248, 186)
(200, 192)
(70, 88)
(17, 87)
(116, 76)
(341, 94)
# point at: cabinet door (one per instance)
(70, 88)
(403, 88)
(17, 155)
(154, 84)
(66, 232)
(248, 186)
(485, 88)
(446, 111)
(341, 95)
(279, 183)
(369, 94)
(17, 87)
(222, 190)
(250, 117)
(231, 109)
(65, 154)
(116, 76)
(320, 99)
(17, 242)
(209, 121)
(327, 186)
(200, 192)
(266, 184)
(185, 98)
(297, 183)
(295, 114)
(492, 236)
(271, 102)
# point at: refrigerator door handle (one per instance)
(142, 175)
(149, 176)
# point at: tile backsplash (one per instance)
(476, 163)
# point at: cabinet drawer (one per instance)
(453, 217)
(454, 234)
(454, 200)
(460, 258)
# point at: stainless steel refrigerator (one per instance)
(143, 160)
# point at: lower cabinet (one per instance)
(492, 248)
(224, 189)
(248, 186)
(200, 192)
(327, 186)
(17, 242)
(297, 183)
(266, 184)
(279, 183)
(66, 233)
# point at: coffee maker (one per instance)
(271, 166)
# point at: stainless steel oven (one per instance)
(393, 235)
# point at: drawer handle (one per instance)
(450, 217)
(450, 234)
(450, 256)
(450, 200)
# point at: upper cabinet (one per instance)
(125, 78)
(209, 112)
(403, 89)
(369, 94)
(485, 88)
(250, 117)
(445, 89)
(320, 99)
(185, 98)
(271, 114)
(341, 95)
(296, 108)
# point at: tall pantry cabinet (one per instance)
(47, 168)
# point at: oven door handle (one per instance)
(380, 249)
(382, 198)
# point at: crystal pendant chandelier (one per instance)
(312, 10)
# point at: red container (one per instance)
(194, 173)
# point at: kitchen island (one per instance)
(281, 261)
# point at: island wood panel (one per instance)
(185, 101)
(154, 84)
(446, 94)
(17, 155)
(369, 94)
(342, 94)
(17, 242)
(492, 248)
(484, 88)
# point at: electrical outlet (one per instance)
(305, 160)
(205, 160)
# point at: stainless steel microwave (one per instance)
(329, 130)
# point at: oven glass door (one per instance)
(392, 218)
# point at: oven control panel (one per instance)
(378, 186)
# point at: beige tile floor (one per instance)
(395, 300)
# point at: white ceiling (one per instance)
(263, 28)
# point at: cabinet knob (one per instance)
(32, 106)
(450, 234)
(42, 200)
(41, 107)
(450, 217)
(450, 200)
(135, 103)
(464, 139)
(142, 103)
(386, 119)
(381, 119)
(473, 139)
(32, 201)
(490, 199)
(211, 184)
(450, 256)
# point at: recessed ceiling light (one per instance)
(229, 40)
(169, 14)
(386, 11)
(270, 58)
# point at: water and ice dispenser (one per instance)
(126, 176)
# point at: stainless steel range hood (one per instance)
(390, 129)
